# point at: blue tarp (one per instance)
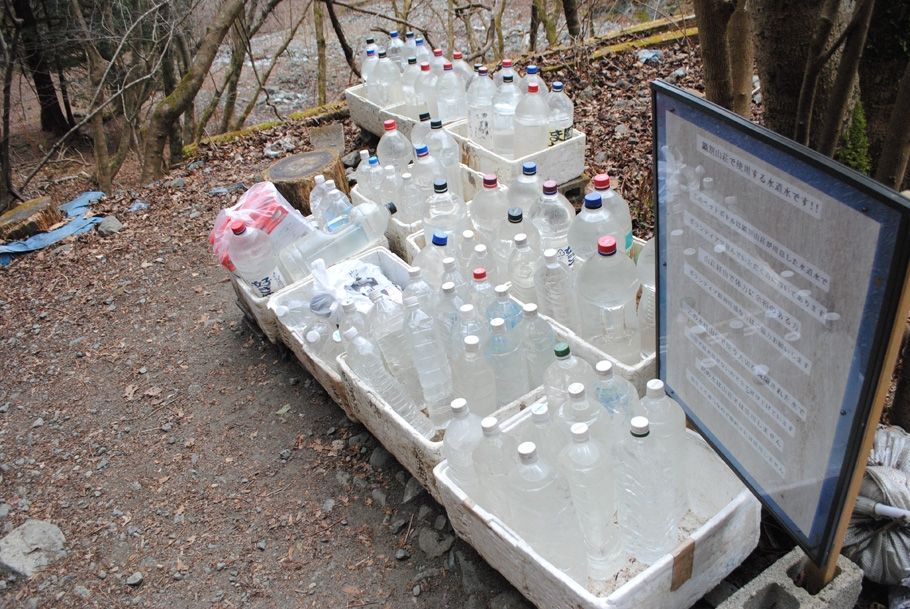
(75, 209)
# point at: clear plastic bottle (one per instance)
(426, 90)
(589, 470)
(367, 69)
(426, 170)
(579, 409)
(446, 311)
(464, 250)
(462, 436)
(422, 51)
(668, 426)
(322, 338)
(503, 351)
(562, 114)
(647, 304)
(445, 149)
(546, 432)
(430, 260)
(429, 359)
(371, 182)
(391, 184)
(493, 458)
(364, 359)
(410, 200)
(295, 315)
(537, 340)
(395, 51)
(386, 325)
(421, 131)
(504, 307)
(418, 288)
(480, 108)
(482, 294)
(469, 324)
(593, 222)
(370, 46)
(618, 208)
(522, 265)
(462, 68)
(410, 73)
(619, 400)
(334, 210)
(506, 70)
(516, 224)
(489, 209)
(555, 296)
(525, 189)
(384, 86)
(482, 259)
(254, 259)
(351, 317)
(552, 214)
(452, 273)
(649, 528)
(607, 286)
(474, 378)
(410, 45)
(361, 173)
(532, 75)
(504, 103)
(319, 187)
(394, 148)
(446, 212)
(567, 369)
(451, 102)
(437, 62)
(532, 122)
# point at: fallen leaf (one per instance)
(284, 409)
(129, 392)
(153, 392)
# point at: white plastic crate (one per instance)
(256, 307)
(724, 526)
(370, 116)
(562, 162)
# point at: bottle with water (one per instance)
(410, 200)
(462, 436)
(504, 103)
(619, 400)
(482, 294)
(429, 360)
(410, 45)
(422, 51)
(469, 324)
(418, 288)
(322, 338)
(437, 62)
(567, 369)
(617, 207)
(474, 378)
(451, 273)
(384, 86)
(482, 259)
(430, 258)
(589, 470)
(480, 108)
(367, 69)
(395, 51)
(506, 70)
(537, 340)
(334, 209)
(607, 286)
(647, 304)
(493, 457)
(462, 68)
(386, 324)
(426, 170)
(451, 101)
(364, 360)
(444, 148)
(394, 148)
(532, 75)
(488, 209)
(320, 188)
(562, 114)
(508, 363)
(668, 426)
(579, 409)
(420, 132)
(504, 244)
(649, 528)
(254, 259)
(391, 184)
(504, 307)
(426, 90)
(546, 432)
(522, 265)
(360, 174)
(593, 222)
(370, 180)
(370, 45)
(552, 214)
(445, 211)
(464, 250)
(351, 317)
(295, 315)
(446, 311)
(410, 73)
(553, 284)
(532, 121)
(525, 189)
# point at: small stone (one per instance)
(109, 226)
(260, 545)
(440, 522)
(82, 592)
(411, 490)
(675, 75)
(135, 579)
(379, 458)
(4, 510)
(600, 157)
(416, 590)
(194, 165)
(328, 505)
(39, 422)
(102, 574)
(195, 214)
(622, 130)
(293, 381)
(509, 600)
(379, 496)
(397, 526)
(343, 477)
(285, 454)
(351, 159)
(177, 183)
(402, 554)
(358, 440)
(470, 581)
(423, 512)
(31, 546)
(135, 486)
(433, 543)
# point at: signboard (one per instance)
(779, 277)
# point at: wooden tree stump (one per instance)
(29, 218)
(293, 176)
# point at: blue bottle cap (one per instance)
(532, 69)
(373, 160)
(371, 52)
(593, 200)
(440, 238)
(393, 34)
(422, 150)
(529, 168)
(557, 86)
(409, 34)
(418, 41)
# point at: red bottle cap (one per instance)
(447, 66)
(507, 63)
(425, 67)
(457, 55)
(437, 52)
(601, 181)
(549, 187)
(389, 124)
(533, 87)
(480, 273)
(238, 227)
(489, 181)
(606, 246)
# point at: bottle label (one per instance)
(629, 242)
(560, 135)
(566, 254)
(269, 284)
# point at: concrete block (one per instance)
(774, 587)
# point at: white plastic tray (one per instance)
(370, 116)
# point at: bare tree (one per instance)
(12, 27)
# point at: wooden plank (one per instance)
(683, 559)
(656, 39)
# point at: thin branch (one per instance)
(365, 11)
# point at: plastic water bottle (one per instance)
(552, 214)
(668, 426)
(555, 295)
(384, 86)
(319, 187)
(587, 467)
(508, 363)
(619, 400)
(647, 304)
(445, 211)
(462, 436)
(254, 258)
(421, 131)
(562, 114)
(464, 249)
(474, 378)
(546, 432)
(532, 75)
(647, 523)
(418, 288)
(437, 62)
(365, 361)
(482, 293)
(446, 311)
(367, 69)
(370, 45)
(525, 189)
(522, 265)
(493, 458)
(426, 90)
(480, 108)
(334, 210)
(532, 122)
(618, 208)
(445, 149)
(593, 222)
(504, 103)
(462, 68)
(394, 148)
(567, 369)
(295, 315)
(506, 70)
(504, 244)
(488, 209)
(429, 360)
(360, 174)
(386, 324)
(504, 307)
(371, 181)
(410, 200)
(410, 45)
(395, 51)
(430, 259)
(579, 409)
(391, 184)
(351, 317)
(426, 170)
(322, 338)
(469, 324)
(410, 73)
(422, 51)
(452, 274)
(537, 340)
(482, 259)
(451, 102)
(607, 286)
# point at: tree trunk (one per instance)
(535, 25)
(33, 46)
(892, 165)
(7, 192)
(549, 24)
(169, 83)
(570, 10)
(342, 40)
(319, 27)
(712, 17)
(742, 59)
(450, 27)
(238, 54)
(172, 106)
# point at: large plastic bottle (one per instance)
(418, 288)
(488, 209)
(648, 526)
(464, 250)
(618, 208)
(445, 149)
(474, 378)
(532, 122)
(429, 359)
(462, 68)
(426, 170)
(384, 86)
(320, 188)
(607, 286)
(504, 244)
(469, 324)
(367, 69)
(322, 338)
(452, 273)
(482, 294)
(426, 90)
(421, 131)
(483, 259)
(422, 51)
(567, 369)
(360, 174)
(537, 339)
(668, 426)
(369, 181)
(504, 307)
(394, 148)
(437, 62)
(254, 259)
(480, 108)
(352, 317)
(365, 361)
(552, 214)
(546, 432)
(522, 265)
(410, 200)
(508, 363)
(524, 190)
(579, 409)
(532, 75)
(430, 258)
(593, 222)
(446, 311)
(390, 189)
(386, 325)
(493, 458)
(334, 209)
(445, 212)
(395, 51)
(506, 70)
(504, 103)
(451, 102)
(590, 472)
(409, 75)
(619, 400)
(462, 436)
(562, 114)
(647, 304)
(410, 45)
(555, 295)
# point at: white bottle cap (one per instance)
(604, 369)
(466, 309)
(530, 309)
(448, 287)
(639, 426)
(655, 389)
(375, 295)
(490, 426)
(580, 432)
(350, 333)
(520, 239)
(468, 235)
(406, 176)
(480, 248)
(502, 290)
(449, 263)
(414, 273)
(550, 254)
(459, 407)
(348, 305)
(312, 336)
(320, 179)
(540, 413)
(498, 324)
(527, 452)
(471, 343)
(576, 391)
(330, 184)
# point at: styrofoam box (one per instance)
(725, 530)
(370, 116)
(562, 162)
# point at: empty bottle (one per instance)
(386, 324)
(370, 182)
(532, 75)
(367, 69)
(567, 369)
(482, 294)
(446, 311)
(474, 378)
(445, 211)
(619, 400)
(295, 315)
(532, 122)
(469, 324)
(668, 426)
(394, 148)
(410, 44)
(552, 214)
(384, 86)
(522, 265)
(421, 131)
(648, 523)
(391, 184)
(488, 209)
(426, 90)
(437, 62)
(364, 359)
(451, 273)
(451, 102)
(429, 360)
(593, 222)
(618, 208)
(508, 363)
(370, 45)
(430, 258)
(482, 259)
(320, 188)
(409, 75)
(352, 317)
(254, 259)
(493, 459)
(504, 307)
(411, 200)
(607, 286)
(537, 339)
(445, 149)
(589, 470)
(480, 108)
(395, 51)
(322, 338)
(360, 174)
(506, 70)
(422, 51)
(418, 288)
(426, 170)
(504, 244)
(555, 295)
(562, 114)
(462, 436)
(464, 250)
(504, 103)
(546, 432)
(333, 211)
(525, 189)
(647, 304)
(462, 68)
